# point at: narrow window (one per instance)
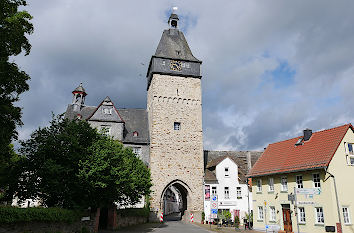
(350, 148)
(346, 215)
(319, 215)
(238, 193)
(301, 213)
(227, 193)
(260, 212)
(284, 184)
(271, 185)
(259, 185)
(316, 180)
(213, 191)
(299, 183)
(177, 126)
(227, 172)
(272, 213)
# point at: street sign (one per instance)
(305, 203)
(214, 205)
(214, 216)
(309, 191)
(214, 211)
(214, 198)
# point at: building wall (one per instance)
(267, 199)
(343, 174)
(145, 149)
(232, 181)
(117, 129)
(176, 154)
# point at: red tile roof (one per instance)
(284, 156)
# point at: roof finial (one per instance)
(172, 21)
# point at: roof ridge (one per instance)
(316, 132)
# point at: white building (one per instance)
(225, 179)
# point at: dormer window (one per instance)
(107, 111)
(349, 150)
(135, 134)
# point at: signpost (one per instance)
(214, 207)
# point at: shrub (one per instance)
(9, 214)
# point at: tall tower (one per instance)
(175, 123)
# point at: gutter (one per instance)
(286, 172)
(335, 189)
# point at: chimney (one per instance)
(249, 164)
(307, 134)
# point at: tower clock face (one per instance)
(175, 65)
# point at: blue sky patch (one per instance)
(280, 77)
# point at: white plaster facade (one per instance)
(233, 201)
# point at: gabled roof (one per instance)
(98, 114)
(173, 45)
(284, 156)
(210, 168)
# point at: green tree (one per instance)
(69, 164)
(113, 173)
(51, 164)
(14, 26)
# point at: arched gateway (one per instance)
(174, 200)
(175, 126)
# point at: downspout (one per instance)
(335, 190)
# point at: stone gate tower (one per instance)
(175, 123)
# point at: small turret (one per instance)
(78, 97)
(173, 20)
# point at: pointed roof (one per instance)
(112, 114)
(285, 156)
(80, 88)
(173, 45)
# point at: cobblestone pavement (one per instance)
(214, 228)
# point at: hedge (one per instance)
(140, 212)
(9, 214)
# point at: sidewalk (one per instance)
(224, 229)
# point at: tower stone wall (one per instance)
(176, 154)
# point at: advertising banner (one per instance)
(207, 192)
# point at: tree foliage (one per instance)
(14, 26)
(69, 164)
(114, 173)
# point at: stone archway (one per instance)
(175, 200)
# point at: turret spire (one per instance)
(78, 97)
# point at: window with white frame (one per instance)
(177, 126)
(271, 185)
(226, 193)
(272, 213)
(346, 215)
(260, 213)
(259, 185)
(105, 129)
(299, 183)
(316, 180)
(349, 149)
(213, 191)
(137, 150)
(238, 193)
(319, 215)
(301, 215)
(284, 184)
(227, 172)
(107, 111)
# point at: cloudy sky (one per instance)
(270, 68)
